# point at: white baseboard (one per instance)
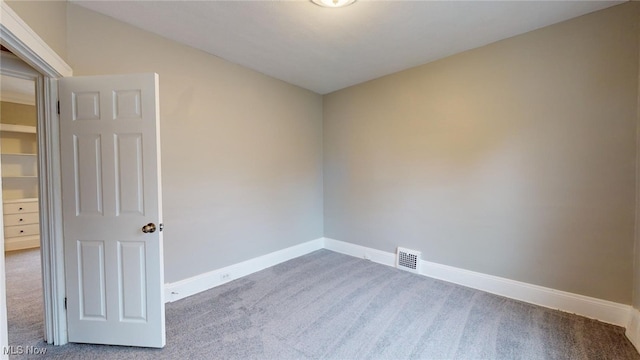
(633, 328)
(602, 310)
(378, 256)
(193, 285)
(605, 311)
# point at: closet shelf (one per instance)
(18, 128)
(18, 154)
(13, 201)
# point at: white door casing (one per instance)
(22, 41)
(110, 161)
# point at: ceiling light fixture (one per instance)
(333, 3)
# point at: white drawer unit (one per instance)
(21, 224)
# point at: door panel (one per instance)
(86, 105)
(93, 301)
(87, 156)
(110, 161)
(129, 170)
(132, 280)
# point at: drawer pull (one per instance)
(21, 220)
(21, 231)
(19, 209)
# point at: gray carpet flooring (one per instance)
(326, 305)
(24, 297)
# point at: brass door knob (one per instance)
(149, 228)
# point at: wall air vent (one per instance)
(408, 260)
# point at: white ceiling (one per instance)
(324, 49)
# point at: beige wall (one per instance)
(47, 18)
(516, 159)
(241, 152)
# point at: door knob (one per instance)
(149, 228)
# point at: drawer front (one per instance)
(19, 208)
(21, 219)
(23, 230)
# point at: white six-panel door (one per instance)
(111, 195)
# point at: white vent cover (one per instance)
(408, 260)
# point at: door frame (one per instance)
(18, 37)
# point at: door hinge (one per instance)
(65, 303)
(58, 107)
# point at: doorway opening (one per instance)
(20, 183)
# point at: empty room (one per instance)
(331, 179)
